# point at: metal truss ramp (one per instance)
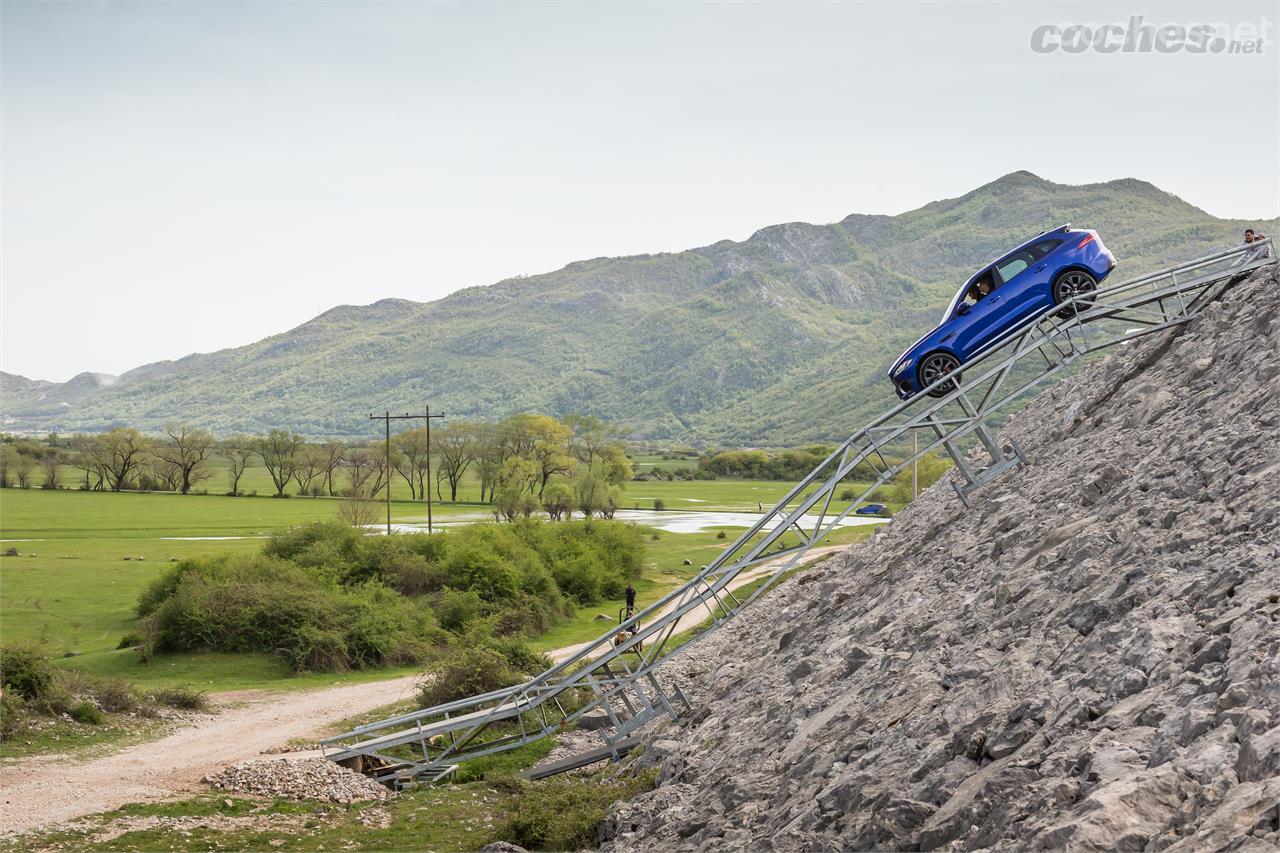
(617, 673)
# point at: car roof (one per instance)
(985, 268)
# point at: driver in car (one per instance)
(980, 288)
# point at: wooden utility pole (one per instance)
(387, 417)
(427, 417)
(914, 480)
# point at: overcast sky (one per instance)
(183, 177)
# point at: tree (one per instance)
(409, 456)
(51, 463)
(278, 450)
(598, 486)
(358, 510)
(84, 459)
(23, 463)
(185, 450)
(456, 446)
(118, 453)
(333, 453)
(367, 470)
(238, 451)
(558, 498)
(311, 461)
(489, 453)
(8, 455)
(167, 475)
(513, 494)
(591, 436)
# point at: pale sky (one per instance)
(182, 177)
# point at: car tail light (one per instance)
(1089, 238)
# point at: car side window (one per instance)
(1044, 247)
(1014, 264)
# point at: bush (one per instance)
(659, 504)
(116, 696)
(720, 535)
(86, 712)
(464, 671)
(184, 698)
(563, 813)
(26, 671)
(265, 604)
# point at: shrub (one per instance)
(563, 813)
(264, 604)
(720, 535)
(12, 718)
(659, 504)
(183, 697)
(464, 671)
(26, 671)
(455, 609)
(115, 696)
(86, 712)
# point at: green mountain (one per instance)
(778, 339)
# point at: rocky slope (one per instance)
(1088, 659)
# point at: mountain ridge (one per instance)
(693, 344)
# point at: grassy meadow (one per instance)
(84, 557)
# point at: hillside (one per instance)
(781, 338)
(1086, 660)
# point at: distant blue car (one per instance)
(871, 509)
(1046, 270)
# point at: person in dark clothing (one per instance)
(631, 600)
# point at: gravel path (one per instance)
(51, 789)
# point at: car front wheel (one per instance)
(934, 367)
(1074, 284)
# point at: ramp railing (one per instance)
(616, 673)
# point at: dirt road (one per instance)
(46, 790)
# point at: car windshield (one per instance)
(956, 300)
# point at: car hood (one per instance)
(918, 342)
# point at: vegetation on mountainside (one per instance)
(780, 339)
(325, 597)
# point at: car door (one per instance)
(1025, 281)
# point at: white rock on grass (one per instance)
(298, 779)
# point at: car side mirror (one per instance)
(964, 308)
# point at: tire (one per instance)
(933, 366)
(1073, 283)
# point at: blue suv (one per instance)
(1046, 270)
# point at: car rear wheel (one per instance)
(934, 367)
(1074, 284)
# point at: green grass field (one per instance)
(84, 557)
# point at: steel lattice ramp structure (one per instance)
(617, 672)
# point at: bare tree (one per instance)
(358, 510)
(367, 470)
(51, 464)
(409, 456)
(8, 456)
(238, 450)
(84, 460)
(310, 467)
(167, 475)
(186, 450)
(279, 452)
(119, 453)
(334, 451)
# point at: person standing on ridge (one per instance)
(631, 600)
